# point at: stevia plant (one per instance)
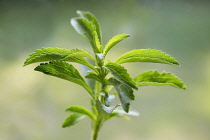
(101, 87)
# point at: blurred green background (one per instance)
(32, 105)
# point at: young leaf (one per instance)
(97, 42)
(81, 110)
(64, 71)
(89, 16)
(120, 73)
(116, 39)
(83, 27)
(125, 93)
(147, 55)
(50, 54)
(72, 120)
(155, 78)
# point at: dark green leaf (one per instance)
(72, 120)
(155, 78)
(112, 42)
(125, 93)
(64, 71)
(50, 54)
(121, 74)
(81, 110)
(147, 55)
(90, 17)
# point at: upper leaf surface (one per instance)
(121, 74)
(89, 16)
(64, 71)
(50, 54)
(116, 39)
(147, 55)
(155, 78)
(125, 93)
(81, 110)
(72, 120)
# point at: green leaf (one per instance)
(116, 39)
(97, 42)
(147, 55)
(90, 17)
(155, 78)
(125, 93)
(50, 54)
(83, 27)
(93, 76)
(81, 110)
(72, 120)
(64, 71)
(121, 74)
(80, 60)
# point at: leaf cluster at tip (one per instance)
(55, 62)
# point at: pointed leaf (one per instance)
(120, 73)
(90, 17)
(147, 55)
(81, 110)
(64, 71)
(50, 54)
(72, 120)
(116, 39)
(125, 93)
(155, 78)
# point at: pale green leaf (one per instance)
(64, 71)
(112, 42)
(72, 120)
(50, 54)
(81, 110)
(147, 55)
(90, 17)
(125, 93)
(121, 74)
(154, 78)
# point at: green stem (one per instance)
(95, 128)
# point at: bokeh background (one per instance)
(32, 105)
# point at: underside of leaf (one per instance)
(64, 71)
